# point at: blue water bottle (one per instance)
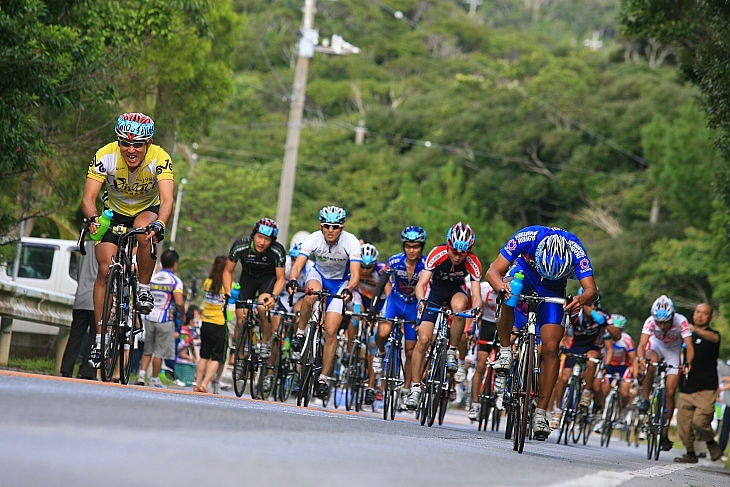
(516, 289)
(598, 317)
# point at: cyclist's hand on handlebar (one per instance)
(476, 312)
(92, 224)
(268, 301)
(291, 286)
(346, 295)
(572, 306)
(156, 231)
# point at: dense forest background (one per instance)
(590, 115)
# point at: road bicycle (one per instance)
(354, 378)
(246, 361)
(311, 355)
(437, 383)
(120, 321)
(279, 373)
(574, 419)
(656, 419)
(488, 394)
(393, 367)
(522, 392)
(611, 411)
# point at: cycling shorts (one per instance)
(332, 286)
(437, 296)
(127, 221)
(254, 286)
(546, 312)
(487, 331)
(578, 348)
(671, 357)
(397, 308)
(622, 370)
(367, 302)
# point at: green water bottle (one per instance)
(104, 220)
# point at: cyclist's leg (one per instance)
(410, 336)
(590, 373)
(651, 356)
(425, 334)
(144, 257)
(481, 368)
(104, 252)
(332, 322)
(550, 336)
(672, 382)
(307, 303)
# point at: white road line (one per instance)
(612, 478)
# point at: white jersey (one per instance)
(332, 261)
(489, 306)
(671, 339)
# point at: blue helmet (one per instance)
(266, 226)
(332, 214)
(413, 234)
(461, 237)
(553, 257)
(294, 251)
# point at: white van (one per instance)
(48, 264)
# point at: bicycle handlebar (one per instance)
(321, 294)
(449, 312)
(120, 230)
(396, 321)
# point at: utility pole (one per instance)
(288, 171)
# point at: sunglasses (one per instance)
(127, 143)
(329, 226)
(367, 266)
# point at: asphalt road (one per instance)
(64, 432)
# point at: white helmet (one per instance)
(662, 309)
(369, 254)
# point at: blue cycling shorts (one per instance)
(397, 308)
(546, 312)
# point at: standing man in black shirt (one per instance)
(697, 394)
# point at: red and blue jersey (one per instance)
(446, 274)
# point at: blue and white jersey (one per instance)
(332, 261)
(162, 287)
(522, 246)
(403, 287)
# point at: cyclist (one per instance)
(370, 272)
(402, 272)
(337, 270)
(139, 190)
(547, 257)
(441, 281)
(588, 327)
(262, 274)
(487, 331)
(620, 359)
(662, 336)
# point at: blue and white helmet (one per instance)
(662, 309)
(553, 257)
(332, 214)
(294, 250)
(369, 254)
(413, 234)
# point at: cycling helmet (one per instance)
(294, 251)
(662, 309)
(617, 320)
(461, 237)
(596, 301)
(135, 126)
(413, 234)
(369, 254)
(266, 226)
(332, 214)
(553, 257)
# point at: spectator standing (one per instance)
(697, 393)
(167, 289)
(723, 370)
(83, 318)
(213, 330)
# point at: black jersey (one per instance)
(254, 264)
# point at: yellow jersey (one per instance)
(213, 304)
(130, 193)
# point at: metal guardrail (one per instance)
(37, 306)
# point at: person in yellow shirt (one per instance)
(213, 329)
(139, 190)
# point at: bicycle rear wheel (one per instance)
(351, 378)
(306, 387)
(566, 409)
(389, 388)
(524, 397)
(608, 419)
(659, 414)
(588, 419)
(436, 386)
(485, 399)
(111, 315)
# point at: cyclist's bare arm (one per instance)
(167, 190)
(354, 276)
(423, 279)
(280, 281)
(641, 349)
(228, 276)
(476, 294)
(497, 269)
(608, 345)
(690, 350)
(297, 267)
(92, 188)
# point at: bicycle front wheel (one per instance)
(389, 388)
(661, 419)
(524, 396)
(608, 418)
(566, 409)
(110, 323)
(240, 361)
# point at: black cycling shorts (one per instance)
(127, 221)
(212, 341)
(251, 287)
(487, 333)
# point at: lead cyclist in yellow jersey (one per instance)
(139, 190)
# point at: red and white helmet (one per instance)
(461, 237)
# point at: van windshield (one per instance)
(36, 262)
